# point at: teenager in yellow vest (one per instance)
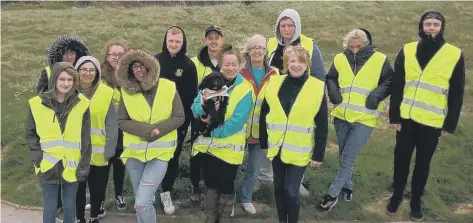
(257, 71)
(205, 63)
(223, 149)
(114, 50)
(358, 81)
(426, 101)
(288, 30)
(104, 131)
(293, 129)
(58, 136)
(149, 114)
(64, 49)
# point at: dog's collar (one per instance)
(208, 94)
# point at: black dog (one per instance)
(213, 82)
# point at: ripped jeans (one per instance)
(145, 179)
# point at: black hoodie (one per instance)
(426, 49)
(183, 72)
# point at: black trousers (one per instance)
(197, 165)
(118, 166)
(219, 175)
(425, 140)
(287, 179)
(97, 182)
(173, 164)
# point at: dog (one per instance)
(213, 91)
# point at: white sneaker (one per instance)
(304, 192)
(87, 207)
(167, 203)
(249, 208)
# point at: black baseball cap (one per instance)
(213, 28)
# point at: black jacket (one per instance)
(182, 71)
(287, 94)
(426, 49)
(356, 63)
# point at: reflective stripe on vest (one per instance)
(426, 91)
(139, 110)
(306, 42)
(57, 145)
(293, 135)
(230, 149)
(99, 106)
(356, 88)
(202, 70)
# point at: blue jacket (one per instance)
(235, 123)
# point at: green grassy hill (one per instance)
(28, 30)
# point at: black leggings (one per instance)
(173, 164)
(97, 182)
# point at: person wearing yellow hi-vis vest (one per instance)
(288, 30)
(104, 133)
(358, 81)
(224, 147)
(149, 114)
(257, 71)
(426, 101)
(293, 129)
(64, 49)
(114, 50)
(58, 136)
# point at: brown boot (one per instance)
(211, 205)
(226, 208)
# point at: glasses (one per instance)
(115, 55)
(138, 67)
(84, 71)
(261, 48)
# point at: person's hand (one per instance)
(314, 163)
(155, 132)
(444, 133)
(397, 127)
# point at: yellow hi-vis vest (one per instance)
(306, 42)
(58, 146)
(116, 93)
(48, 71)
(202, 70)
(355, 89)
(140, 111)
(293, 135)
(230, 149)
(99, 105)
(426, 91)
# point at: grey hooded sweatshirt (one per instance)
(111, 119)
(317, 69)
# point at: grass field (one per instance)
(28, 30)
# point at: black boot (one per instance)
(394, 203)
(416, 211)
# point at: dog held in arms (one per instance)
(215, 100)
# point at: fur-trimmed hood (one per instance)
(64, 43)
(124, 73)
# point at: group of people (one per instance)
(134, 110)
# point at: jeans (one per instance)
(351, 139)
(51, 197)
(253, 164)
(425, 140)
(97, 182)
(287, 179)
(145, 179)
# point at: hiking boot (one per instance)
(102, 211)
(416, 216)
(347, 194)
(328, 203)
(211, 205)
(167, 203)
(303, 191)
(249, 208)
(196, 194)
(394, 203)
(226, 208)
(120, 202)
(80, 221)
(416, 211)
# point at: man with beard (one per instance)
(426, 100)
(177, 67)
